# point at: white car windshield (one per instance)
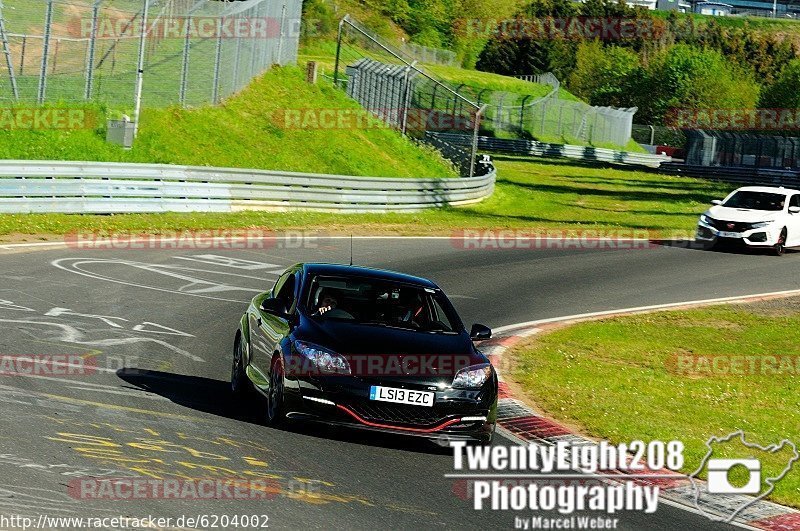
(756, 201)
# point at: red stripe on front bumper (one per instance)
(390, 427)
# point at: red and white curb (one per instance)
(521, 423)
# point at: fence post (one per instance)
(185, 63)
(217, 63)
(48, 25)
(253, 48)
(476, 133)
(237, 59)
(338, 53)
(652, 135)
(87, 95)
(406, 100)
(139, 70)
(7, 51)
(262, 44)
(22, 55)
(522, 113)
(283, 36)
(544, 114)
(407, 97)
(268, 48)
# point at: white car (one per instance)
(756, 216)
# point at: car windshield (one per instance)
(756, 201)
(381, 303)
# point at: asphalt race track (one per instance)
(171, 316)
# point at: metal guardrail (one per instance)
(106, 188)
(543, 149)
(737, 175)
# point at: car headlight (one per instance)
(325, 360)
(707, 220)
(761, 225)
(472, 377)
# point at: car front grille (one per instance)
(731, 226)
(397, 413)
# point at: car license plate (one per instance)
(730, 235)
(401, 396)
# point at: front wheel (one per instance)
(780, 247)
(238, 376)
(275, 410)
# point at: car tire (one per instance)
(238, 376)
(275, 413)
(780, 247)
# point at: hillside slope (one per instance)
(246, 131)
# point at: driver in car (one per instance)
(327, 303)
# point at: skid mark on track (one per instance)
(70, 334)
(192, 285)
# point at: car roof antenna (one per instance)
(351, 250)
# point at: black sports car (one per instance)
(366, 348)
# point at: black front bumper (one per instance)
(344, 401)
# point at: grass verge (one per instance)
(652, 377)
(545, 194)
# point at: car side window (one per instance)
(279, 283)
(795, 201)
(286, 292)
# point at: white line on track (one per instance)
(503, 330)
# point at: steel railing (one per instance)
(103, 188)
(543, 149)
(737, 174)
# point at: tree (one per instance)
(686, 77)
(784, 93)
(603, 75)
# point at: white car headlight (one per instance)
(325, 360)
(761, 225)
(472, 377)
(707, 220)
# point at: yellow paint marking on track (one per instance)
(92, 354)
(115, 407)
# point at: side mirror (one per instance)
(274, 307)
(480, 332)
(794, 210)
(716, 202)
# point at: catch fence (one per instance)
(190, 52)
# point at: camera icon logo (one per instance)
(720, 471)
(735, 484)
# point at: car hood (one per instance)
(438, 351)
(741, 215)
